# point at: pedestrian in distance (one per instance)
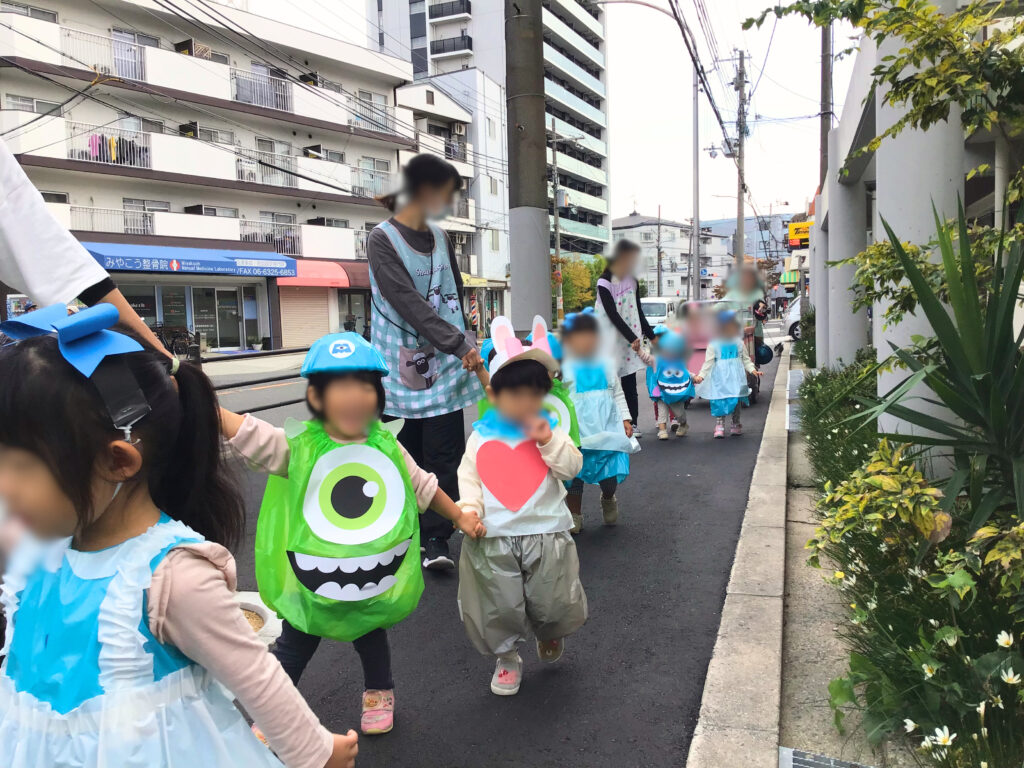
(124, 637)
(669, 382)
(522, 576)
(336, 537)
(618, 308)
(725, 370)
(605, 425)
(430, 352)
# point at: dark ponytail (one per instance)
(424, 170)
(50, 409)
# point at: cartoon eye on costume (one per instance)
(355, 495)
(556, 406)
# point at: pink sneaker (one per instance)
(378, 712)
(719, 431)
(736, 430)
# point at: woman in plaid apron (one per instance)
(419, 326)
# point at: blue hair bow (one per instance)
(570, 319)
(84, 338)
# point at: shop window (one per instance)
(173, 305)
(251, 314)
(141, 298)
(204, 313)
(352, 311)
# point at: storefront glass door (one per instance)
(229, 319)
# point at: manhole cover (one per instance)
(795, 758)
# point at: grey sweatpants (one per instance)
(513, 586)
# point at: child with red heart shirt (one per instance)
(522, 577)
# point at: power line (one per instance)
(766, 54)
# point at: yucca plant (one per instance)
(973, 368)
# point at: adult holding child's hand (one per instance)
(420, 327)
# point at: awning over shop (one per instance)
(472, 281)
(790, 278)
(329, 274)
(127, 257)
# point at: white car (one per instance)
(793, 319)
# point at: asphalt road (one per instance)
(627, 692)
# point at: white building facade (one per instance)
(223, 167)
(449, 37)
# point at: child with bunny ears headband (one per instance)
(522, 577)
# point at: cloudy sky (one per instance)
(650, 95)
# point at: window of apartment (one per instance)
(419, 42)
(430, 97)
(417, 6)
(277, 218)
(131, 36)
(29, 104)
(495, 245)
(28, 10)
(647, 236)
(143, 124)
(220, 58)
(216, 135)
(330, 221)
(494, 185)
(138, 204)
(375, 164)
(377, 99)
(220, 210)
(490, 128)
(55, 197)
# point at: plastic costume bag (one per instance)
(337, 541)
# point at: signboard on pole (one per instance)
(800, 234)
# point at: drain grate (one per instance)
(795, 758)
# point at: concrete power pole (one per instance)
(529, 233)
(825, 118)
(739, 244)
(694, 266)
(658, 250)
(559, 304)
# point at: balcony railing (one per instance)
(106, 55)
(361, 237)
(111, 220)
(112, 146)
(452, 8)
(370, 183)
(451, 45)
(369, 116)
(259, 167)
(285, 238)
(261, 90)
(455, 150)
(462, 208)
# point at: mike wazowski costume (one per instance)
(558, 402)
(337, 550)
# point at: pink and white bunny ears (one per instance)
(509, 349)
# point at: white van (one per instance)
(659, 309)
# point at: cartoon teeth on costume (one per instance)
(557, 402)
(334, 536)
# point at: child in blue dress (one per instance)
(606, 430)
(669, 382)
(124, 646)
(725, 370)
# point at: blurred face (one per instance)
(349, 406)
(748, 280)
(729, 330)
(582, 344)
(437, 201)
(625, 264)
(519, 404)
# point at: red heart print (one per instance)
(512, 475)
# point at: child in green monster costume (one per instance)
(340, 517)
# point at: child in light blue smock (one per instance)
(606, 431)
(124, 644)
(724, 374)
(669, 383)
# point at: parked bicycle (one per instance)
(175, 338)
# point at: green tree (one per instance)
(577, 285)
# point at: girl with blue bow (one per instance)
(602, 413)
(725, 369)
(124, 645)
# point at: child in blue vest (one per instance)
(669, 382)
(124, 645)
(522, 577)
(603, 416)
(725, 370)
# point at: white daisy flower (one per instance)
(943, 738)
(909, 725)
(1004, 639)
(1009, 676)
(929, 671)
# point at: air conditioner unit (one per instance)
(459, 238)
(315, 151)
(458, 129)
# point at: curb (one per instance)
(739, 710)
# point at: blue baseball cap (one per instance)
(341, 352)
(727, 316)
(553, 342)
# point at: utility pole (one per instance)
(658, 247)
(559, 305)
(741, 186)
(694, 265)
(529, 233)
(825, 119)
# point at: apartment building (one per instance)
(765, 238)
(446, 37)
(222, 166)
(674, 239)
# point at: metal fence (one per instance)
(87, 219)
(451, 8)
(106, 55)
(455, 150)
(361, 237)
(257, 166)
(451, 44)
(369, 183)
(261, 90)
(285, 238)
(371, 116)
(104, 144)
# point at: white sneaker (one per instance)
(577, 524)
(682, 429)
(508, 674)
(663, 434)
(610, 510)
(636, 432)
